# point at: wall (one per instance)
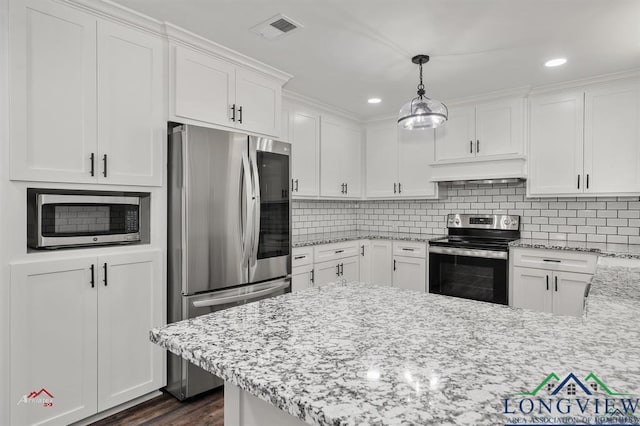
(597, 219)
(310, 217)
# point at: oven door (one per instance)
(470, 274)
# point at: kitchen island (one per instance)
(356, 354)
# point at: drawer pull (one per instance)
(339, 251)
(552, 260)
(408, 249)
(300, 257)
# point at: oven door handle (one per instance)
(456, 251)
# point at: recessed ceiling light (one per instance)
(374, 100)
(555, 62)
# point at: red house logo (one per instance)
(43, 396)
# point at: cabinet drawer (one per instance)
(302, 256)
(555, 260)
(409, 249)
(336, 251)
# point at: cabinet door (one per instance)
(301, 278)
(52, 92)
(131, 124)
(130, 303)
(382, 160)
(416, 151)
(260, 100)
(556, 144)
(305, 153)
(381, 262)
(612, 138)
(204, 88)
(326, 272)
(568, 293)
(410, 273)
(350, 269)
(532, 289)
(499, 128)
(332, 148)
(365, 261)
(53, 341)
(351, 161)
(455, 140)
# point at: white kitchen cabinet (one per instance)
(365, 261)
(204, 87)
(612, 138)
(302, 278)
(326, 272)
(305, 153)
(213, 91)
(410, 273)
(381, 262)
(586, 141)
(75, 108)
(54, 340)
(350, 269)
(52, 92)
(556, 143)
(259, 100)
(83, 335)
(398, 162)
(340, 157)
(557, 292)
(130, 303)
(131, 124)
(481, 131)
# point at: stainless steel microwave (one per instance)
(63, 220)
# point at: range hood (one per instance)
(486, 181)
(492, 169)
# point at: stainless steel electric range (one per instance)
(472, 262)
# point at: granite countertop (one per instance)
(357, 354)
(336, 237)
(623, 251)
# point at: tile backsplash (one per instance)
(597, 219)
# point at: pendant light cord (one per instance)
(421, 91)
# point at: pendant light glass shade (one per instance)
(422, 112)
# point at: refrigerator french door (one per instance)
(229, 230)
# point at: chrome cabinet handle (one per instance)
(407, 249)
(394, 187)
(547, 282)
(105, 274)
(556, 283)
(233, 113)
(587, 180)
(346, 188)
(296, 185)
(362, 250)
(300, 257)
(240, 112)
(312, 278)
(338, 251)
(578, 181)
(477, 146)
(338, 270)
(292, 187)
(552, 260)
(399, 188)
(92, 157)
(93, 276)
(394, 264)
(104, 164)
(470, 147)
(342, 269)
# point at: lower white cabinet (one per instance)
(330, 271)
(557, 292)
(365, 261)
(79, 330)
(410, 273)
(381, 262)
(302, 278)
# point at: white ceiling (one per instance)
(350, 50)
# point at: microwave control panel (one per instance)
(131, 221)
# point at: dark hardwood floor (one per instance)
(202, 410)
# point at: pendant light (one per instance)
(422, 112)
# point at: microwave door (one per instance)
(215, 207)
(270, 252)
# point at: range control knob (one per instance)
(457, 221)
(506, 221)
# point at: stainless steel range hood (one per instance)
(485, 181)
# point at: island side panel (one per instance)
(243, 409)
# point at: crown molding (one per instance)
(181, 36)
(312, 102)
(521, 91)
(602, 78)
(109, 10)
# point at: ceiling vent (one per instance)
(276, 27)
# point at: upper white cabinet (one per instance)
(131, 128)
(398, 162)
(480, 131)
(212, 91)
(586, 142)
(77, 114)
(304, 136)
(340, 159)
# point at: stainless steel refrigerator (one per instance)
(229, 230)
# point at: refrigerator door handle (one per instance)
(215, 301)
(246, 224)
(256, 211)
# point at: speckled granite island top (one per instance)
(336, 237)
(355, 354)
(623, 251)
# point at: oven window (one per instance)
(274, 204)
(88, 219)
(469, 277)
